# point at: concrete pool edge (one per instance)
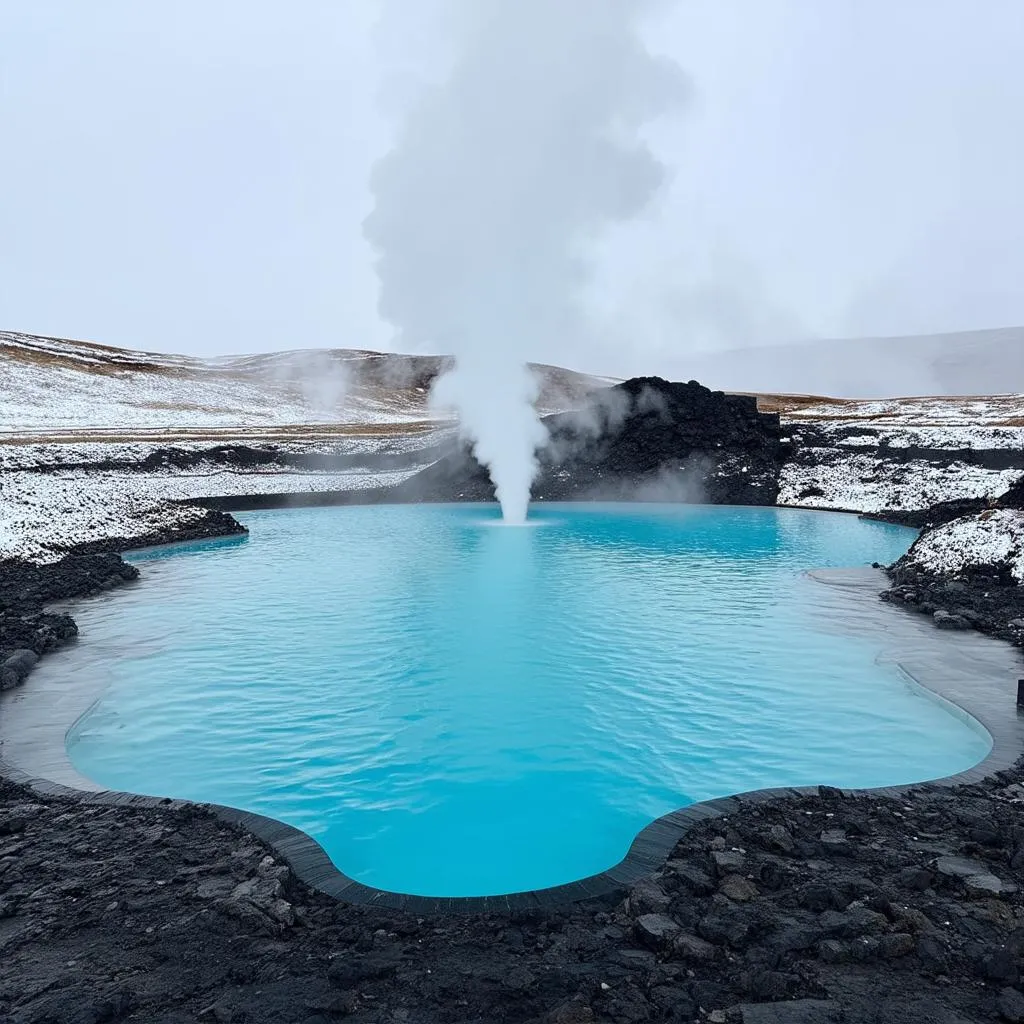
(987, 701)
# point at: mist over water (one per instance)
(501, 180)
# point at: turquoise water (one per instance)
(453, 707)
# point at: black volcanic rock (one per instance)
(268, 457)
(26, 587)
(28, 584)
(983, 597)
(646, 439)
(947, 511)
(214, 523)
(213, 927)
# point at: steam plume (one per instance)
(501, 179)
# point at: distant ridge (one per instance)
(988, 362)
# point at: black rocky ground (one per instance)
(214, 523)
(646, 438)
(985, 597)
(815, 910)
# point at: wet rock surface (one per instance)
(112, 913)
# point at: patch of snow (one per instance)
(43, 523)
(951, 437)
(993, 537)
(856, 482)
(994, 410)
(118, 389)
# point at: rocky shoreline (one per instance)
(811, 910)
(982, 598)
(962, 570)
(28, 631)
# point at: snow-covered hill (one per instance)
(52, 384)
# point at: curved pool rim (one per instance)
(995, 713)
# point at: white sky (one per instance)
(193, 176)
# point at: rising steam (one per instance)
(500, 180)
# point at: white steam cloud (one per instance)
(502, 178)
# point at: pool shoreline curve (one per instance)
(648, 851)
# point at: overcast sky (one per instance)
(193, 176)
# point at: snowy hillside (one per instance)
(51, 384)
(909, 453)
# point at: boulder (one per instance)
(834, 837)
(947, 620)
(798, 1011)
(692, 878)
(896, 945)
(691, 947)
(728, 862)
(975, 875)
(348, 970)
(738, 889)
(656, 930)
(647, 897)
(1011, 1006)
(852, 923)
(779, 839)
(21, 662)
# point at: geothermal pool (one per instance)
(453, 707)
